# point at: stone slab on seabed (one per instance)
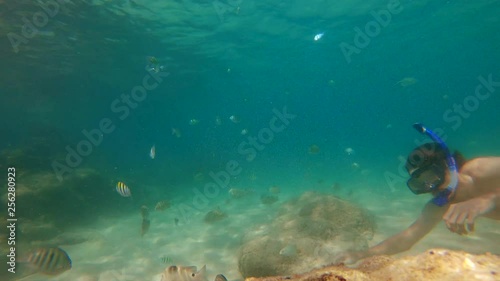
(434, 264)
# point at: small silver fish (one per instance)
(50, 261)
(235, 119)
(152, 152)
(318, 36)
(176, 132)
(184, 273)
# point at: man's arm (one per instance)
(430, 216)
(482, 177)
(403, 241)
(460, 217)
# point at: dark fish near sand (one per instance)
(50, 261)
(123, 189)
(268, 199)
(220, 277)
(215, 216)
(240, 192)
(184, 273)
(274, 189)
(144, 212)
(314, 149)
(145, 226)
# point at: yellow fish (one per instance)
(123, 189)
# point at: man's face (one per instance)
(426, 179)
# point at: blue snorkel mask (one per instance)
(430, 178)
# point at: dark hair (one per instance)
(431, 153)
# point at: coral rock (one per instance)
(435, 264)
(318, 226)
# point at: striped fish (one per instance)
(144, 212)
(162, 205)
(50, 261)
(166, 259)
(123, 189)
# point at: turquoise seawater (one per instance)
(231, 91)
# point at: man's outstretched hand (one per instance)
(460, 217)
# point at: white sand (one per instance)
(120, 254)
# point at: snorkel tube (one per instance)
(442, 198)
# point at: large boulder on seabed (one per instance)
(308, 230)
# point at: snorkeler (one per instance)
(462, 191)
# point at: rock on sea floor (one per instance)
(434, 264)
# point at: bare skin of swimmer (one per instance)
(477, 195)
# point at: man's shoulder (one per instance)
(482, 167)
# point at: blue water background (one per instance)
(248, 64)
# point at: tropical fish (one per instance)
(268, 199)
(220, 277)
(162, 205)
(240, 192)
(193, 122)
(336, 186)
(176, 132)
(166, 259)
(218, 121)
(215, 216)
(274, 189)
(153, 63)
(145, 226)
(407, 81)
(184, 273)
(144, 212)
(289, 251)
(153, 60)
(314, 149)
(50, 261)
(152, 152)
(318, 36)
(235, 119)
(123, 189)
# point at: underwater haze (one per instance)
(223, 110)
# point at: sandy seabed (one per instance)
(117, 252)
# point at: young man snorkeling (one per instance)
(462, 191)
